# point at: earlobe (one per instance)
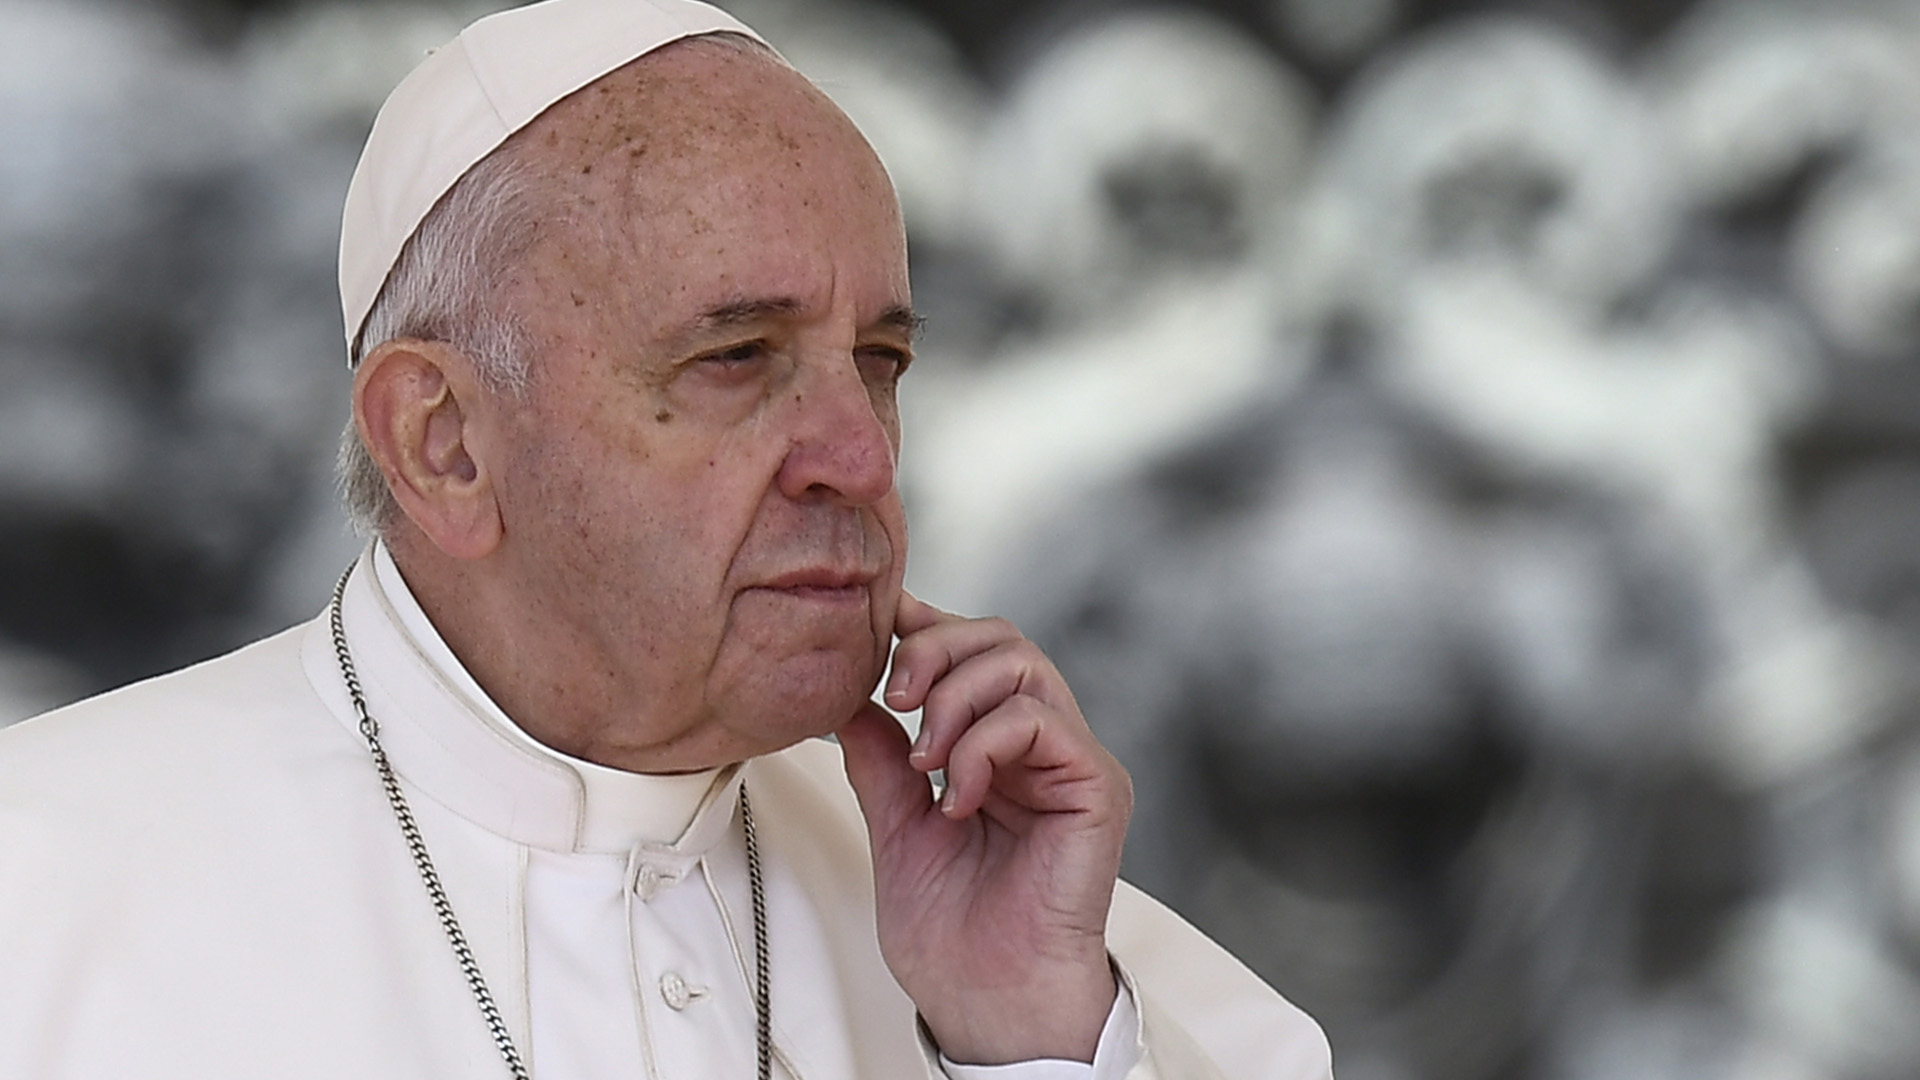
(417, 408)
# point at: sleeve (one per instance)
(1203, 1014)
(1198, 1014)
(1113, 1059)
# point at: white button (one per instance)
(647, 881)
(678, 992)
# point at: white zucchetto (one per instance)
(468, 96)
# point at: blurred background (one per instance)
(1466, 456)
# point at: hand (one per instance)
(992, 904)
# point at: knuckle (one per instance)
(1028, 652)
(1002, 628)
(946, 704)
(1024, 711)
(1006, 722)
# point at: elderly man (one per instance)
(540, 794)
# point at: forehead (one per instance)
(697, 93)
(708, 165)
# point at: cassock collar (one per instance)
(448, 737)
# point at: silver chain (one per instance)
(442, 907)
(762, 984)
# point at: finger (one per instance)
(890, 792)
(1027, 750)
(977, 686)
(915, 615)
(925, 656)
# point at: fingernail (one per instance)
(897, 684)
(920, 743)
(946, 801)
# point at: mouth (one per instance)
(821, 585)
(843, 595)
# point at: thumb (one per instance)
(891, 792)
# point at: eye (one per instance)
(744, 353)
(735, 362)
(883, 364)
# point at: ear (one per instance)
(419, 409)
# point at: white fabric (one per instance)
(620, 988)
(468, 96)
(204, 880)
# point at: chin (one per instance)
(807, 697)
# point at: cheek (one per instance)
(627, 471)
(577, 509)
(886, 593)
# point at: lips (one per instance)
(827, 584)
(820, 578)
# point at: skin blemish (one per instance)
(578, 300)
(663, 416)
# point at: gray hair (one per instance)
(442, 289)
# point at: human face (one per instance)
(698, 489)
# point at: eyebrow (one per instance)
(902, 318)
(736, 312)
(740, 312)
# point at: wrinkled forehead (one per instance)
(470, 96)
(703, 173)
(682, 109)
(720, 131)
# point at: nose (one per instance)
(842, 450)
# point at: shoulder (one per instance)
(1196, 999)
(205, 727)
(806, 786)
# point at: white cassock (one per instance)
(200, 877)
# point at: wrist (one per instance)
(1054, 1019)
